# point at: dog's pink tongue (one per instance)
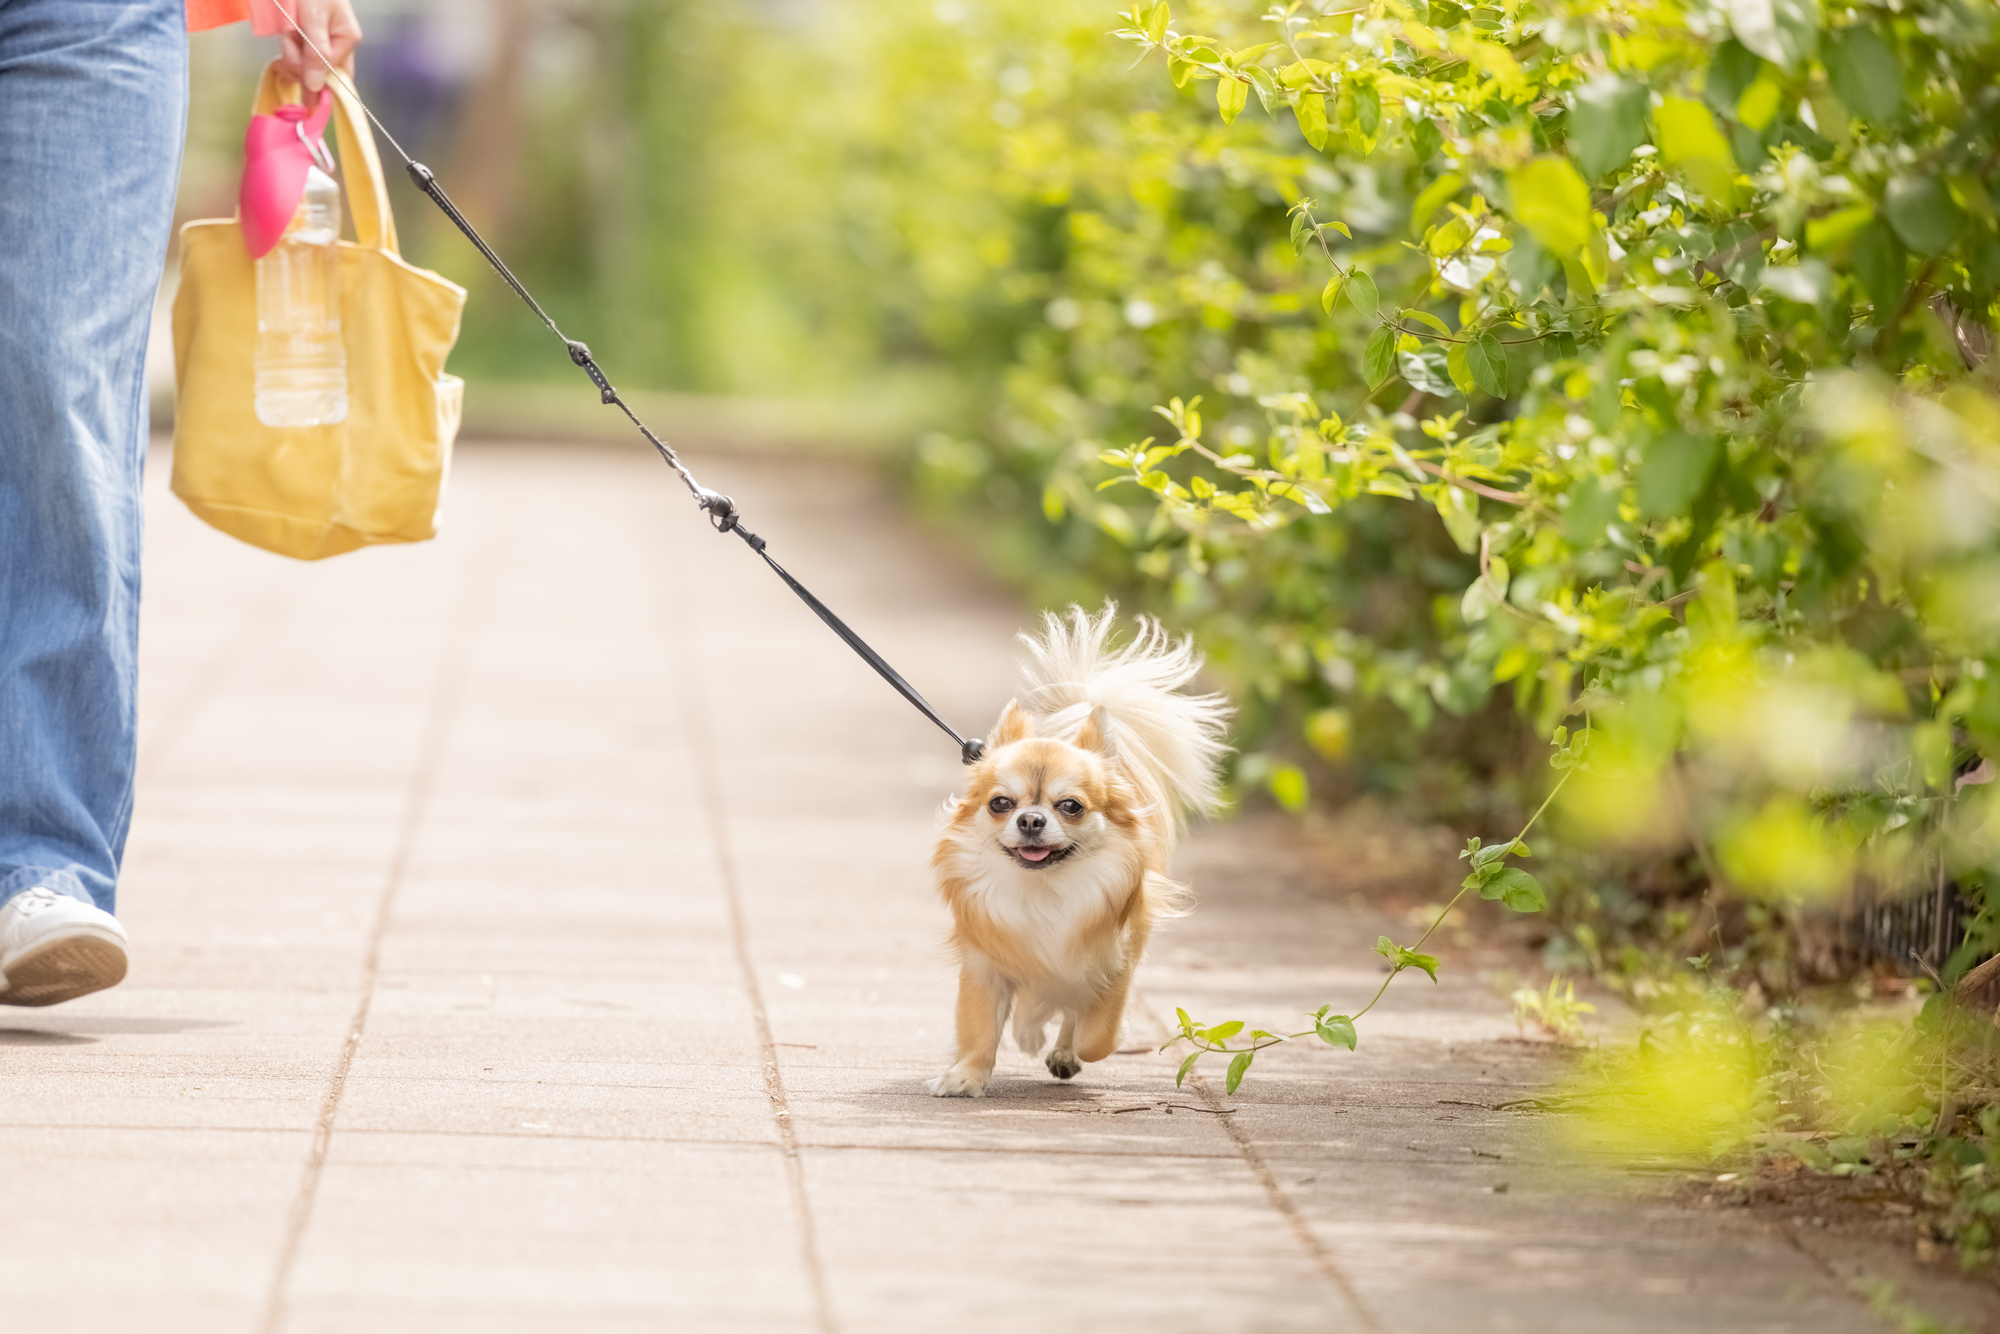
(1034, 854)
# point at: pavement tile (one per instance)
(459, 1229)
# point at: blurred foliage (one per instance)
(1903, 1102)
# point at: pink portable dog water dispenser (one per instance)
(278, 150)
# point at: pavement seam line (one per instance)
(708, 780)
(1274, 1191)
(447, 693)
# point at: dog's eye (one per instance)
(1070, 806)
(1000, 805)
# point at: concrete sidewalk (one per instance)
(532, 933)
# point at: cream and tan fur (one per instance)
(1054, 859)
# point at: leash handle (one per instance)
(721, 509)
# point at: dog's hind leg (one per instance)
(1062, 1061)
(1103, 1021)
(1031, 1024)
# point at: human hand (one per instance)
(334, 30)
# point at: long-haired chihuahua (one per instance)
(1054, 860)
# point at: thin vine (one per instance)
(1490, 875)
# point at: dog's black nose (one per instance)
(1031, 823)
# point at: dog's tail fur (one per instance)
(1167, 742)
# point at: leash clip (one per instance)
(721, 509)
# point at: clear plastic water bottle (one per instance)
(301, 362)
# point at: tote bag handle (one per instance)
(361, 168)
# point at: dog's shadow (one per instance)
(1017, 1093)
(84, 1029)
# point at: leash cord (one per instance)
(721, 510)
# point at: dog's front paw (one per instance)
(955, 1083)
(1063, 1064)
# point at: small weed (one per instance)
(1557, 1013)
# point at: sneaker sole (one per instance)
(72, 965)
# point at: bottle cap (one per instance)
(278, 150)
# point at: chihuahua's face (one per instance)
(1038, 802)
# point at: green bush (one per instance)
(1563, 361)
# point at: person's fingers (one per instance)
(343, 33)
(312, 17)
(332, 28)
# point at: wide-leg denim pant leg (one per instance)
(93, 112)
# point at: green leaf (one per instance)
(1493, 881)
(1230, 97)
(1311, 111)
(1689, 141)
(1330, 294)
(1459, 509)
(1226, 1031)
(1432, 198)
(1412, 315)
(1864, 73)
(1361, 293)
(1922, 213)
(1488, 361)
(1592, 505)
(1731, 71)
(1517, 889)
(1182, 1015)
(1675, 469)
(1832, 234)
(1336, 1030)
(1607, 123)
(1881, 265)
(1367, 114)
(1401, 958)
(1186, 1066)
(1553, 203)
(1784, 32)
(1461, 374)
(1475, 604)
(1378, 358)
(1238, 1067)
(1425, 369)
(1309, 498)
(1268, 91)
(1425, 138)
(1299, 227)
(1759, 102)
(1156, 23)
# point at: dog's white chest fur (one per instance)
(1048, 912)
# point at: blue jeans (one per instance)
(93, 112)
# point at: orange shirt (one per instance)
(264, 15)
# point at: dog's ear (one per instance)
(1012, 727)
(1096, 732)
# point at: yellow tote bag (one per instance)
(316, 491)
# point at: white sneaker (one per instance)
(56, 948)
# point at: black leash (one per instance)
(721, 509)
